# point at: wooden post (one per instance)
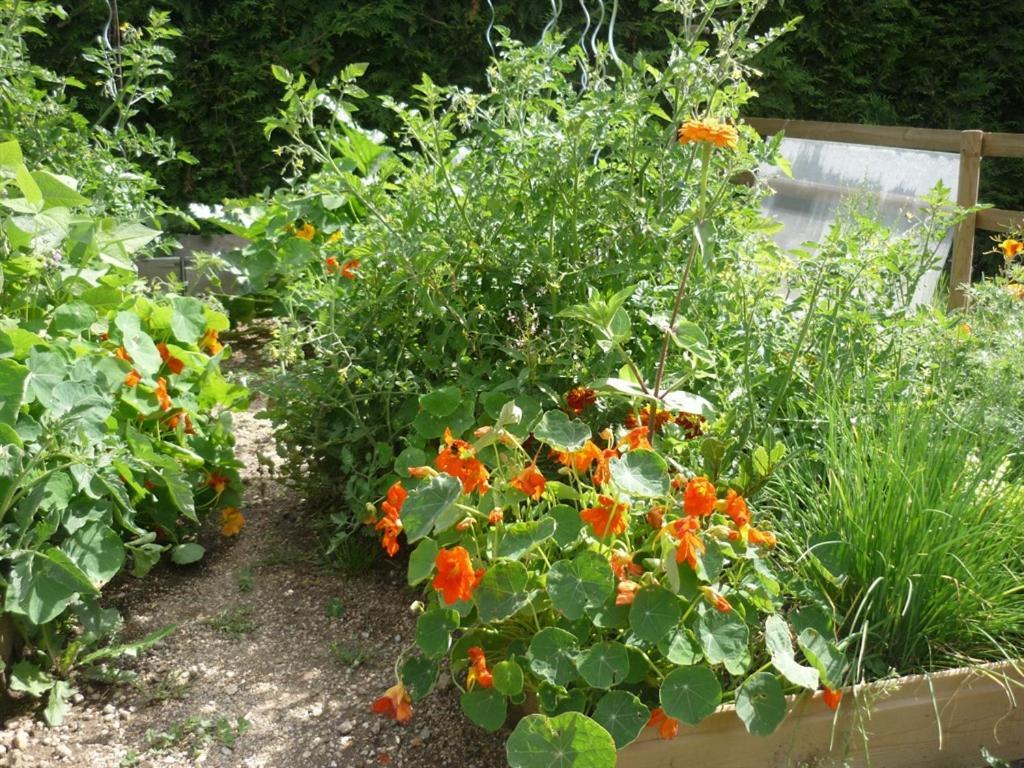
(966, 197)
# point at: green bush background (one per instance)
(940, 63)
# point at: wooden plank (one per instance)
(999, 220)
(966, 196)
(876, 135)
(976, 708)
(1003, 145)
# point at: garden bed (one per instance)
(977, 707)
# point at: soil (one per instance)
(266, 635)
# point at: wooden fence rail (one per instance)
(972, 146)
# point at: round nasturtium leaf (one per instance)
(419, 674)
(561, 433)
(421, 561)
(584, 582)
(724, 639)
(761, 704)
(486, 707)
(441, 402)
(502, 591)
(508, 677)
(569, 740)
(567, 525)
(680, 647)
(434, 631)
(621, 714)
(552, 655)
(689, 694)
(604, 665)
(185, 554)
(639, 666)
(642, 474)
(655, 612)
(427, 503)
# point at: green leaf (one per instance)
(655, 613)
(519, 538)
(45, 371)
(502, 591)
(421, 561)
(410, 457)
(10, 154)
(688, 403)
(26, 677)
(188, 323)
(723, 638)
(185, 554)
(441, 402)
(567, 525)
(761, 704)
(486, 707)
(138, 344)
(97, 550)
(419, 675)
(12, 389)
(585, 582)
(41, 586)
(761, 461)
(427, 503)
(680, 647)
(689, 694)
(508, 677)
(434, 631)
(561, 433)
(621, 714)
(552, 655)
(75, 317)
(57, 703)
(604, 665)
(780, 646)
(57, 191)
(569, 740)
(640, 473)
(823, 654)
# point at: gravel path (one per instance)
(265, 633)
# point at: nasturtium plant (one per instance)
(115, 428)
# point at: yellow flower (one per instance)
(231, 521)
(1011, 248)
(306, 232)
(710, 131)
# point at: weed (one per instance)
(349, 655)
(234, 622)
(335, 608)
(195, 733)
(245, 579)
(172, 685)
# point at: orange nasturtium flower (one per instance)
(693, 424)
(625, 592)
(656, 518)
(607, 516)
(661, 418)
(763, 538)
(717, 599)
(736, 509)
(667, 726)
(306, 232)
(211, 342)
(580, 398)
(132, 379)
(395, 703)
(455, 578)
(530, 481)
(161, 394)
(832, 697)
(700, 497)
(709, 131)
(637, 440)
(602, 470)
(348, 269)
(122, 354)
(478, 673)
(622, 564)
(174, 365)
(582, 459)
(1011, 248)
(231, 521)
(391, 523)
(496, 516)
(457, 459)
(218, 482)
(331, 265)
(685, 531)
(174, 420)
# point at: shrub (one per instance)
(114, 438)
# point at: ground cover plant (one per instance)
(115, 440)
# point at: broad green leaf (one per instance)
(680, 647)
(138, 344)
(57, 703)
(689, 694)
(17, 343)
(640, 473)
(57, 191)
(410, 457)
(434, 631)
(185, 554)
(441, 402)
(75, 317)
(558, 431)
(188, 323)
(421, 561)
(569, 740)
(26, 677)
(824, 656)
(42, 586)
(724, 639)
(761, 704)
(97, 550)
(12, 389)
(508, 677)
(519, 538)
(621, 714)
(419, 674)
(780, 646)
(567, 525)
(427, 503)
(45, 371)
(584, 582)
(10, 154)
(604, 664)
(552, 655)
(502, 591)
(486, 707)
(655, 613)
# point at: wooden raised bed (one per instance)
(889, 724)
